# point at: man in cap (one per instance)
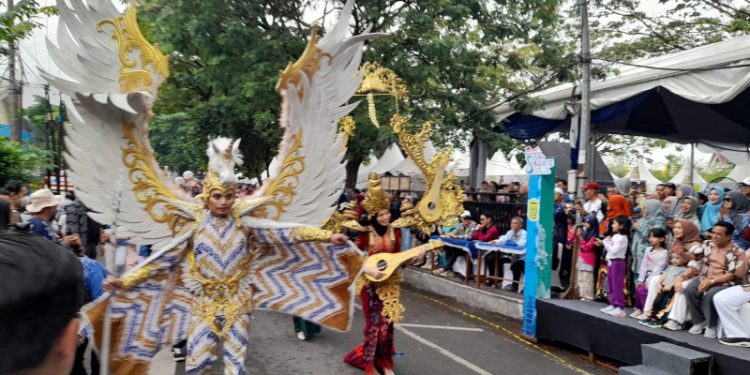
(43, 207)
(745, 186)
(41, 296)
(593, 205)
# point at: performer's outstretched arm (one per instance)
(159, 263)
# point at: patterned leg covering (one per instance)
(235, 346)
(202, 347)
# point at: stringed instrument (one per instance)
(430, 206)
(388, 263)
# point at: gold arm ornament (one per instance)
(136, 277)
(311, 234)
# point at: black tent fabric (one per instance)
(561, 152)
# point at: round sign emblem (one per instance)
(534, 209)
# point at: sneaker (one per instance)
(697, 329)
(179, 353)
(710, 333)
(736, 341)
(644, 316)
(438, 271)
(617, 312)
(607, 309)
(301, 335)
(672, 325)
(650, 323)
(636, 313)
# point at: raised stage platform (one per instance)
(581, 324)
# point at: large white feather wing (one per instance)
(110, 72)
(315, 91)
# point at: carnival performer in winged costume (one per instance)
(219, 257)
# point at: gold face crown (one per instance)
(211, 183)
(376, 199)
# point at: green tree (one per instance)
(623, 30)
(21, 161)
(457, 57)
(19, 23)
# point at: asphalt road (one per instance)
(436, 337)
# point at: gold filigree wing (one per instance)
(115, 73)
(315, 93)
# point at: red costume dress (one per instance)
(377, 349)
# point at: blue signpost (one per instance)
(539, 229)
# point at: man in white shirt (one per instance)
(516, 236)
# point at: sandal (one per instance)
(438, 271)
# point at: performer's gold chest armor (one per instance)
(218, 271)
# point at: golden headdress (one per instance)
(376, 199)
(213, 182)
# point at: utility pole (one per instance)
(586, 148)
(60, 141)
(13, 102)
(50, 133)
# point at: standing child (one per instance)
(616, 247)
(655, 260)
(586, 235)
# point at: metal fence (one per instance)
(501, 212)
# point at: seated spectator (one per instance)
(721, 266)
(688, 210)
(655, 260)
(464, 230)
(661, 290)
(728, 303)
(41, 296)
(683, 191)
(745, 187)
(734, 210)
(711, 210)
(516, 236)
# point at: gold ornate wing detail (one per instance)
(442, 202)
(111, 74)
(315, 91)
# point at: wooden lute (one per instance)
(387, 263)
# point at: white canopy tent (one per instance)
(740, 172)
(688, 92)
(391, 158)
(498, 166)
(683, 176)
(461, 163)
(642, 173)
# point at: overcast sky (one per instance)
(34, 54)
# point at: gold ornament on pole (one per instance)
(380, 81)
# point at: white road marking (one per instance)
(438, 348)
(444, 351)
(449, 328)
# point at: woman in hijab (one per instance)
(734, 210)
(688, 210)
(623, 186)
(684, 190)
(651, 217)
(711, 210)
(618, 205)
(687, 238)
(670, 207)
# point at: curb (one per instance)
(468, 295)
